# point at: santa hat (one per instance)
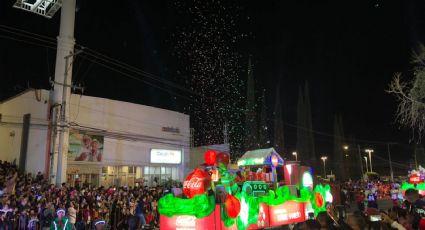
(99, 221)
(60, 210)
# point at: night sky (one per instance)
(347, 51)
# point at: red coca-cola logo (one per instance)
(193, 183)
(197, 182)
(415, 179)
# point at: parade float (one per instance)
(416, 180)
(266, 192)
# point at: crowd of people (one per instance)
(29, 202)
(407, 211)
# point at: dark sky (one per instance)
(348, 51)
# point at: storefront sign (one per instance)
(185, 222)
(287, 213)
(166, 156)
(84, 147)
(170, 130)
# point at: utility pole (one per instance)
(62, 91)
(361, 161)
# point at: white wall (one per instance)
(125, 118)
(112, 116)
(12, 111)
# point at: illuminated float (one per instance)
(265, 193)
(416, 180)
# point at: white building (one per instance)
(133, 141)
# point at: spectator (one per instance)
(72, 214)
(356, 221)
(61, 222)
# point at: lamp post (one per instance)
(345, 147)
(324, 158)
(367, 167)
(296, 156)
(370, 158)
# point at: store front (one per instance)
(163, 165)
(121, 175)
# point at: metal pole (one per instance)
(370, 161)
(367, 167)
(361, 161)
(391, 165)
(324, 168)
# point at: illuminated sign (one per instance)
(415, 179)
(166, 156)
(255, 188)
(275, 161)
(287, 213)
(197, 182)
(186, 222)
(251, 161)
(307, 180)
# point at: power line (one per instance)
(100, 56)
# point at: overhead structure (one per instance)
(46, 8)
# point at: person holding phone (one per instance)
(393, 223)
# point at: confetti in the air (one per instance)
(206, 47)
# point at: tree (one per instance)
(305, 136)
(301, 128)
(250, 113)
(309, 125)
(278, 124)
(339, 163)
(410, 95)
(263, 133)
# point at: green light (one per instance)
(406, 186)
(322, 190)
(420, 186)
(251, 161)
(199, 206)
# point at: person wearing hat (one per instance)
(61, 222)
(99, 224)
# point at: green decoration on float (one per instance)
(406, 186)
(249, 211)
(283, 194)
(198, 206)
(318, 199)
(420, 186)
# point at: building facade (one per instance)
(110, 142)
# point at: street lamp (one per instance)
(370, 158)
(296, 156)
(345, 147)
(324, 158)
(367, 167)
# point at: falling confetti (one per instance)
(206, 48)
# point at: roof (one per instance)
(259, 157)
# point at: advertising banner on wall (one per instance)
(84, 147)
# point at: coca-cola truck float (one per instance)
(216, 199)
(416, 180)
